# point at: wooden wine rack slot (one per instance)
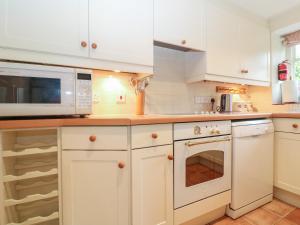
(29, 151)
(34, 145)
(30, 198)
(36, 184)
(38, 219)
(29, 175)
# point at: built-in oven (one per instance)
(202, 166)
(31, 90)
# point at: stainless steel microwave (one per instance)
(38, 90)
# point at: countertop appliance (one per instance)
(225, 103)
(38, 90)
(252, 166)
(202, 161)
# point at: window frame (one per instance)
(292, 59)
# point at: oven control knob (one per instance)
(197, 130)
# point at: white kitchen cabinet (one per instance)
(95, 187)
(180, 23)
(287, 167)
(254, 50)
(222, 41)
(152, 186)
(238, 47)
(122, 30)
(54, 26)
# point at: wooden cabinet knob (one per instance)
(183, 42)
(94, 46)
(154, 136)
(295, 126)
(83, 44)
(170, 157)
(121, 165)
(93, 138)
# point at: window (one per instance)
(293, 53)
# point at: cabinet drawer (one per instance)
(95, 138)
(151, 135)
(287, 125)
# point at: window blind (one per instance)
(291, 39)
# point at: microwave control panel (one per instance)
(84, 93)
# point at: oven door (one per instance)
(202, 168)
(28, 90)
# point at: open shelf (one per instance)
(31, 198)
(29, 151)
(29, 175)
(38, 219)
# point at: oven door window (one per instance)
(204, 166)
(30, 90)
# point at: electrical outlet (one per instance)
(121, 99)
(202, 99)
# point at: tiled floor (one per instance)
(274, 213)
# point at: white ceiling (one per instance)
(266, 8)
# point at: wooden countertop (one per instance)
(125, 120)
(294, 115)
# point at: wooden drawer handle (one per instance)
(93, 138)
(295, 126)
(83, 44)
(94, 46)
(170, 157)
(121, 165)
(154, 136)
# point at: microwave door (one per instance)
(30, 90)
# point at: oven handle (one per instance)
(191, 144)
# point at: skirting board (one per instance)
(287, 197)
(201, 208)
(242, 211)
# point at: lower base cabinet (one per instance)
(287, 166)
(152, 186)
(95, 187)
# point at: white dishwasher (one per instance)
(252, 166)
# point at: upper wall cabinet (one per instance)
(254, 50)
(222, 41)
(122, 30)
(180, 23)
(103, 34)
(238, 47)
(55, 26)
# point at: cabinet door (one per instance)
(287, 167)
(222, 41)
(55, 26)
(122, 31)
(95, 189)
(152, 186)
(180, 23)
(254, 50)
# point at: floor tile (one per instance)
(229, 221)
(294, 216)
(261, 217)
(279, 208)
(285, 222)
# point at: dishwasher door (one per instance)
(252, 163)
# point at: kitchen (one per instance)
(149, 112)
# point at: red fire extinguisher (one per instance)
(283, 70)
